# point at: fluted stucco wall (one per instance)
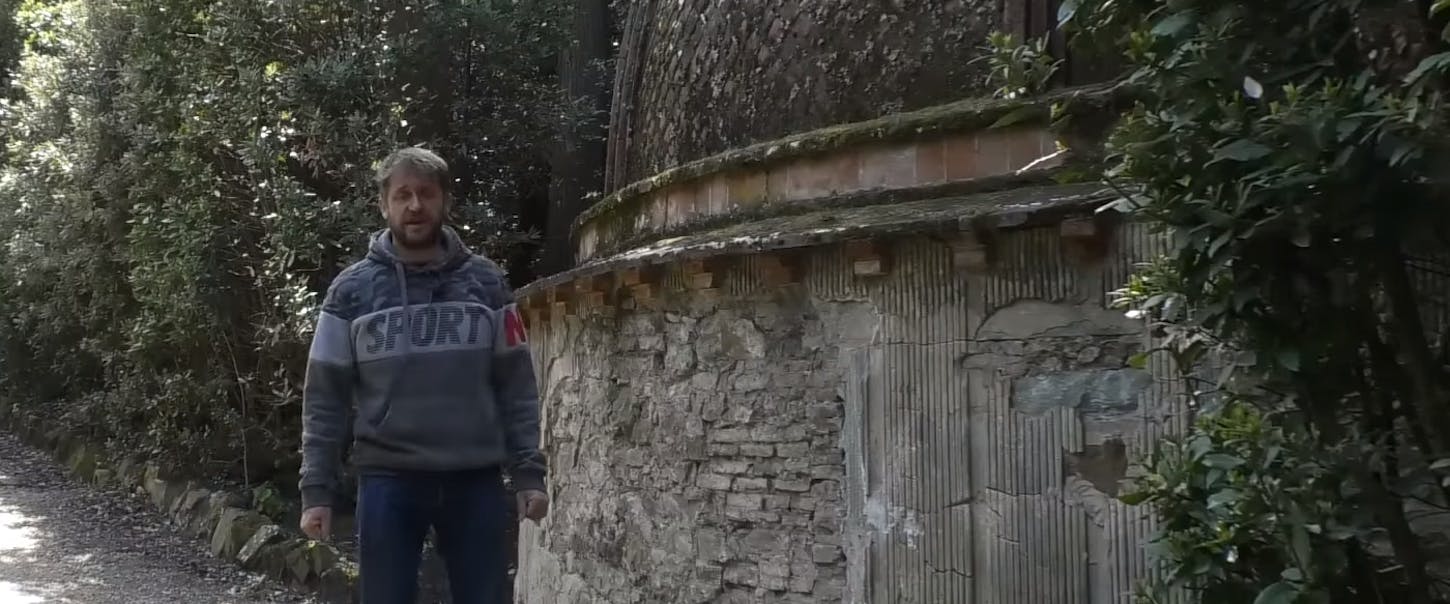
(926, 436)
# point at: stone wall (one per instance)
(922, 432)
(695, 452)
(703, 76)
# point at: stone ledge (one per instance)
(1070, 169)
(961, 141)
(966, 222)
(234, 531)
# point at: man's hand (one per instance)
(317, 522)
(533, 505)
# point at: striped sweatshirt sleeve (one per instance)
(326, 397)
(516, 390)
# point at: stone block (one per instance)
(751, 484)
(82, 462)
(765, 467)
(266, 535)
(829, 589)
(730, 435)
(765, 543)
(54, 439)
(754, 516)
(794, 450)
(751, 382)
(757, 450)
(825, 554)
(803, 573)
(826, 490)
(773, 434)
(103, 478)
(162, 492)
(298, 562)
(271, 559)
(729, 466)
(324, 557)
(826, 518)
(741, 573)
(744, 501)
(208, 514)
(710, 545)
(634, 458)
(828, 457)
(697, 450)
(827, 472)
(714, 482)
(795, 518)
(793, 485)
(774, 583)
(233, 530)
(188, 505)
(130, 473)
(777, 502)
(337, 585)
(741, 596)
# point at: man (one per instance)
(424, 335)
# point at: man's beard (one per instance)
(428, 239)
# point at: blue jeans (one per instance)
(469, 513)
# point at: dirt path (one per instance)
(61, 542)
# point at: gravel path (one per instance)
(61, 542)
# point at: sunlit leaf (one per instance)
(1241, 150)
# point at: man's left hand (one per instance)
(533, 505)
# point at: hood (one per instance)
(455, 253)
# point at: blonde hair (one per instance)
(420, 160)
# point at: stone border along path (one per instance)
(234, 532)
(64, 542)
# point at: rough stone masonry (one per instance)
(696, 453)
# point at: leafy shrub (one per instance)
(1291, 153)
(181, 179)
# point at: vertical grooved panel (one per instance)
(978, 410)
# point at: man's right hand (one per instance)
(317, 523)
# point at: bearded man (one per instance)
(424, 337)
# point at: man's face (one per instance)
(414, 208)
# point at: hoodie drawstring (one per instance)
(402, 274)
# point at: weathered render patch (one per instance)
(1093, 392)
(1063, 414)
(697, 455)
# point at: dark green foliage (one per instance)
(1294, 153)
(182, 179)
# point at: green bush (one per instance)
(1293, 154)
(181, 179)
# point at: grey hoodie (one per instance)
(437, 361)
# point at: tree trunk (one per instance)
(578, 160)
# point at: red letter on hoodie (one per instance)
(513, 325)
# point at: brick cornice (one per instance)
(963, 141)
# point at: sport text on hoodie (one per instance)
(436, 360)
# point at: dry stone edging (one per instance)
(224, 519)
